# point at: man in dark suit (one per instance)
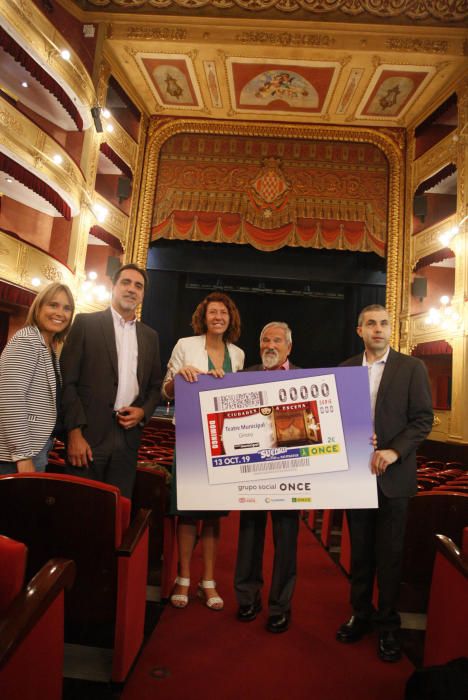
(401, 408)
(275, 346)
(111, 384)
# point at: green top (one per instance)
(227, 366)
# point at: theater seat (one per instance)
(151, 492)
(429, 513)
(89, 522)
(31, 625)
(447, 617)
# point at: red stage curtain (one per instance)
(218, 226)
(46, 80)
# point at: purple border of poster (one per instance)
(353, 488)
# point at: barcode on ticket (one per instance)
(235, 402)
(274, 466)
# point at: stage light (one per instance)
(58, 160)
(65, 54)
(105, 113)
(110, 128)
(35, 282)
(24, 84)
(92, 275)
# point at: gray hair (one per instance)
(371, 307)
(279, 324)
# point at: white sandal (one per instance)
(180, 600)
(215, 602)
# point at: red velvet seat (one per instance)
(427, 483)
(150, 491)
(456, 465)
(31, 625)
(89, 522)
(430, 512)
(453, 486)
(447, 617)
(435, 464)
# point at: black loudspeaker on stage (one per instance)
(124, 187)
(112, 266)
(419, 287)
(420, 207)
(96, 114)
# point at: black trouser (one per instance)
(377, 541)
(114, 462)
(248, 579)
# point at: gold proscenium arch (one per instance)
(160, 130)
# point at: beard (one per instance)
(270, 358)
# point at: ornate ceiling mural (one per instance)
(282, 87)
(392, 89)
(172, 79)
(308, 73)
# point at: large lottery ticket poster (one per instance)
(275, 440)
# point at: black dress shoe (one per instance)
(389, 646)
(248, 613)
(353, 630)
(278, 623)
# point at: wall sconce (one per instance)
(100, 212)
(446, 237)
(91, 292)
(445, 316)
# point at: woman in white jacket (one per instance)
(30, 382)
(216, 323)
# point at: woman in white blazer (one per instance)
(216, 323)
(30, 382)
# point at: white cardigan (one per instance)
(192, 351)
(28, 409)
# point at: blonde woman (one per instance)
(30, 382)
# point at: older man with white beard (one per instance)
(275, 346)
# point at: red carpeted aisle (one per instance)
(198, 654)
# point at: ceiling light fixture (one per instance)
(65, 54)
(57, 158)
(35, 282)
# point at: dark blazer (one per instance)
(90, 375)
(403, 418)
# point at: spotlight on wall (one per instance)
(96, 114)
